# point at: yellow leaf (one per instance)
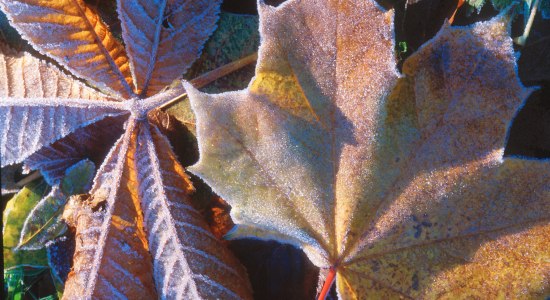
(397, 182)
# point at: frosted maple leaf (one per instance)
(394, 184)
(139, 227)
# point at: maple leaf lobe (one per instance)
(308, 76)
(399, 183)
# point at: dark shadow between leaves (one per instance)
(276, 271)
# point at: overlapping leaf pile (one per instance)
(137, 235)
(397, 182)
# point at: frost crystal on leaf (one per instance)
(170, 253)
(396, 181)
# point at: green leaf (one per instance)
(19, 283)
(78, 178)
(13, 282)
(43, 224)
(237, 36)
(15, 213)
(477, 4)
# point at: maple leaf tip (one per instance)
(490, 31)
(196, 100)
(195, 97)
(188, 86)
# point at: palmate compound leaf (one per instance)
(40, 104)
(397, 183)
(184, 258)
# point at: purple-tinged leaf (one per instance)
(163, 38)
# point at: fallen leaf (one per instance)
(140, 192)
(43, 224)
(77, 39)
(15, 213)
(397, 182)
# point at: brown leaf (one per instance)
(77, 39)
(91, 142)
(140, 185)
(191, 261)
(111, 257)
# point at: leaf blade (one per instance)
(423, 152)
(98, 265)
(303, 102)
(163, 38)
(13, 219)
(90, 42)
(40, 104)
(189, 261)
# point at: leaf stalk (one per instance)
(523, 38)
(329, 281)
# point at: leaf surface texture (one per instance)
(189, 262)
(164, 37)
(77, 39)
(34, 92)
(397, 181)
(183, 260)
